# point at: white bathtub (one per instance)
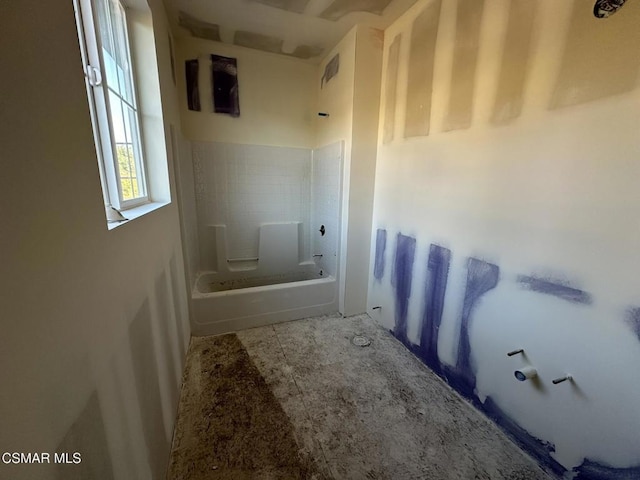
(236, 309)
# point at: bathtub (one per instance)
(221, 305)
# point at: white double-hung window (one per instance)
(110, 81)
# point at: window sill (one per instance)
(137, 212)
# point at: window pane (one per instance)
(127, 189)
(122, 53)
(104, 26)
(135, 141)
(128, 152)
(118, 80)
(115, 48)
(117, 119)
(108, 44)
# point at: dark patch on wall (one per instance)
(177, 292)
(230, 424)
(163, 296)
(88, 437)
(191, 68)
(436, 287)
(515, 61)
(296, 6)
(555, 288)
(381, 246)
(145, 370)
(422, 53)
(224, 80)
(390, 90)
(172, 60)
(595, 471)
(600, 57)
(198, 28)
(481, 277)
(465, 58)
(340, 8)
(538, 449)
(401, 277)
(331, 69)
(633, 320)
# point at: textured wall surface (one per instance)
(326, 176)
(94, 321)
(511, 228)
(277, 97)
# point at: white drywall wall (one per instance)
(351, 100)
(94, 322)
(277, 97)
(551, 192)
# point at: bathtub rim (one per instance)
(228, 324)
(197, 294)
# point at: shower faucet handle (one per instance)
(318, 255)
(322, 230)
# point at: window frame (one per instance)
(98, 91)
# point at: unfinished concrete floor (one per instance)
(299, 400)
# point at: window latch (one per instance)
(94, 76)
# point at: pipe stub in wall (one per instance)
(526, 373)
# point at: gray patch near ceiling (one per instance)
(267, 43)
(340, 8)
(307, 51)
(296, 6)
(198, 28)
(258, 41)
(330, 70)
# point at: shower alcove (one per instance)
(256, 254)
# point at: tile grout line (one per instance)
(306, 409)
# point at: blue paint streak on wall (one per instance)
(633, 320)
(438, 267)
(594, 471)
(481, 277)
(401, 281)
(556, 289)
(537, 448)
(381, 246)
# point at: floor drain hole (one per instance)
(360, 341)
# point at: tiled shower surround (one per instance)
(325, 205)
(244, 186)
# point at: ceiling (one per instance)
(306, 29)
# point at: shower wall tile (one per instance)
(325, 205)
(243, 186)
